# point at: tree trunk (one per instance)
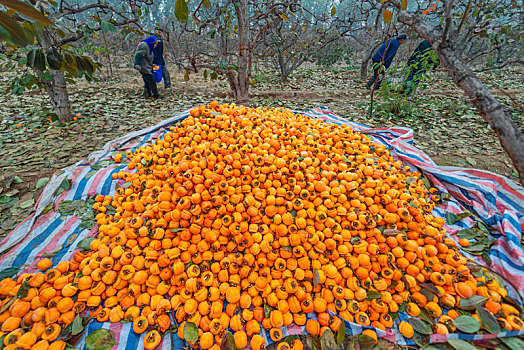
(56, 87)
(240, 94)
(365, 60)
(487, 105)
(241, 85)
(57, 91)
(108, 54)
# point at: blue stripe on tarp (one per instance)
(507, 260)
(62, 252)
(82, 185)
(21, 258)
(106, 187)
(133, 341)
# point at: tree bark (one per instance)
(365, 60)
(57, 91)
(240, 82)
(108, 54)
(499, 118)
(56, 87)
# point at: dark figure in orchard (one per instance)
(159, 59)
(422, 60)
(383, 58)
(144, 64)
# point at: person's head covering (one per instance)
(150, 41)
(402, 36)
(158, 28)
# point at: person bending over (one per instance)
(144, 64)
(383, 57)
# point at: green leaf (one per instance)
(463, 215)
(13, 32)
(461, 344)
(333, 11)
(482, 227)
(8, 272)
(373, 295)
(425, 316)
(467, 233)
(420, 326)
(6, 199)
(327, 341)
(316, 278)
(41, 183)
(26, 10)
(101, 339)
(39, 60)
(365, 342)
(489, 322)
(107, 27)
(71, 239)
(207, 4)
(341, 332)
(471, 303)
(66, 184)
(421, 339)
(178, 229)
(267, 311)
(190, 332)
(471, 161)
(24, 290)
(28, 203)
(77, 325)
(54, 59)
(430, 288)
(429, 295)
(7, 305)
(403, 4)
(17, 180)
(467, 324)
(85, 244)
(181, 11)
(228, 341)
(186, 75)
(477, 247)
(81, 63)
(513, 343)
(411, 180)
(451, 218)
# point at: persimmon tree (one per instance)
(51, 53)
(455, 26)
(227, 33)
(303, 36)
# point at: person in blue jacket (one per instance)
(159, 58)
(384, 56)
(144, 64)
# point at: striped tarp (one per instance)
(496, 199)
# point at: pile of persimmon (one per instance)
(246, 219)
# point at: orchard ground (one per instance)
(33, 145)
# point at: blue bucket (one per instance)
(157, 73)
